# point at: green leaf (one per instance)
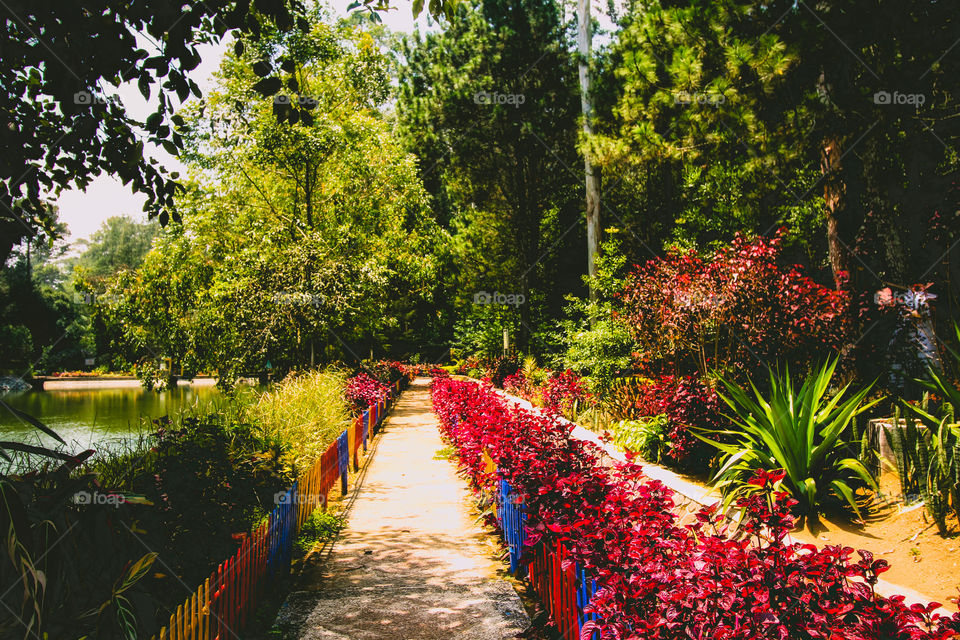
(153, 121)
(143, 84)
(268, 86)
(262, 68)
(26, 417)
(135, 572)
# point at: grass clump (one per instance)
(320, 527)
(306, 412)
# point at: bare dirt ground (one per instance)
(906, 537)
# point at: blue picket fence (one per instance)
(343, 451)
(586, 589)
(510, 513)
(565, 593)
(366, 430)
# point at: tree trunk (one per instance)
(834, 188)
(834, 196)
(592, 181)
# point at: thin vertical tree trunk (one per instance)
(590, 172)
(834, 189)
(834, 196)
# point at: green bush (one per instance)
(797, 430)
(74, 561)
(185, 490)
(602, 352)
(305, 412)
(533, 373)
(646, 436)
(320, 526)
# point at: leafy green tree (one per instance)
(62, 128)
(597, 342)
(834, 119)
(119, 243)
(686, 137)
(40, 323)
(297, 232)
(489, 105)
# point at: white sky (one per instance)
(85, 211)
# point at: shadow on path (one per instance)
(411, 562)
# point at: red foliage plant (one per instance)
(562, 390)
(364, 391)
(688, 404)
(733, 310)
(517, 385)
(660, 579)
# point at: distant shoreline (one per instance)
(114, 382)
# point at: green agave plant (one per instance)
(797, 430)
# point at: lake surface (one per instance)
(98, 418)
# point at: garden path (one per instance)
(412, 562)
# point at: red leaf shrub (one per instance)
(732, 310)
(562, 390)
(517, 385)
(688, 403)
(364, 391)
(659, 579)
(386, 371)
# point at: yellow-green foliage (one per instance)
(305, 413)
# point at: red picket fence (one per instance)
(329, 471)
(557, 587)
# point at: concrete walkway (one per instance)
(412, 563)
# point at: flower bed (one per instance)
(656, 578)
(687, 403)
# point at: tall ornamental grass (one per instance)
(304, 412)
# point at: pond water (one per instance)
(98, 418)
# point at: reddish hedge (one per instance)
(660, 579)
